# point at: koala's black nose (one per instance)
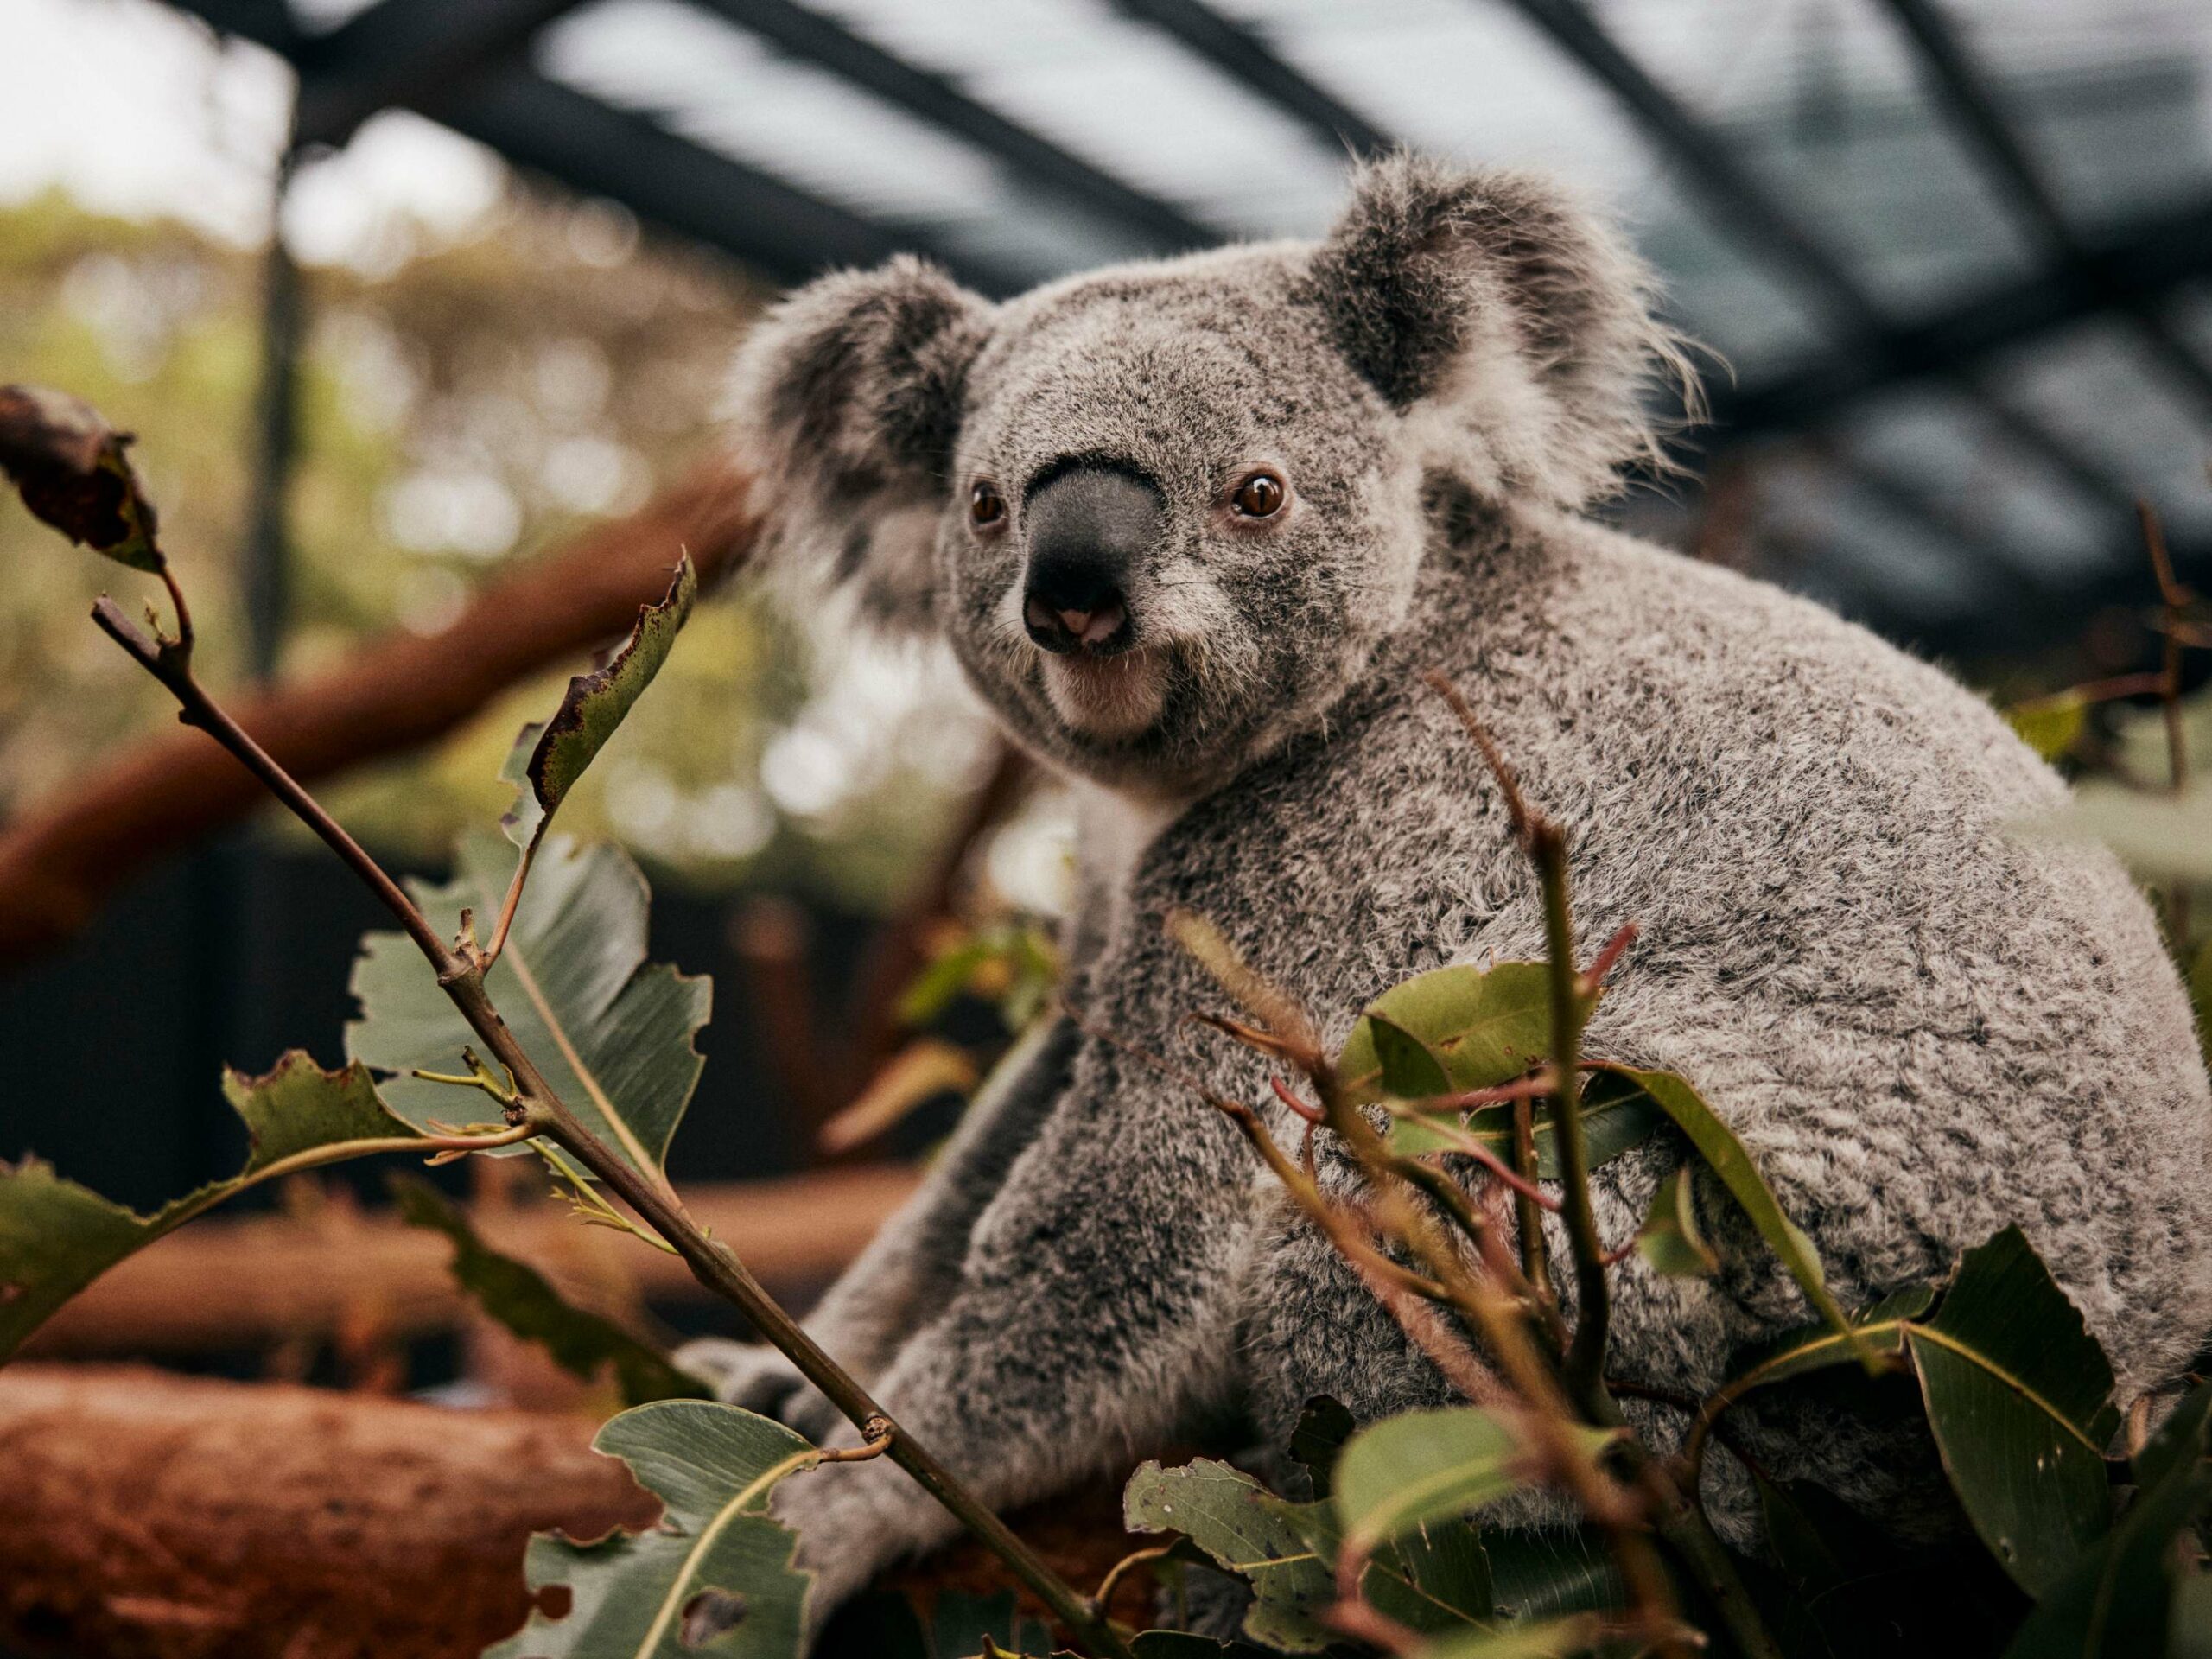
(1088, 527)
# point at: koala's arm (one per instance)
(912, 1265)
(1094, 1319)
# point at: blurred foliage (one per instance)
(474, 404)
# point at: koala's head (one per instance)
(1165, 512)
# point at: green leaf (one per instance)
(1543, 1573)
(69, 467)
(549, 756)
(1880, 1327)
(56, 1237)
(518, 1297)
(612, 1036)
(1726, 1156)
(1617, 1117)
(2117, 1603)
(2050, 726)
(1555, 1638)
(1670, 1238)
(1318, 1439)
(1434, 1579)
(2019, 1396)
(1409, 1069)
(1484, 1025)
(714, 1548)
(1250, 1531)
(1429, 1466)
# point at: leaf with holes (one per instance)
(2019, 1394)
(1481, 1025)
(1250, 1531)
(715, 1573)
(56, 1237)
(1728, 1158)
(613, 1035)
(551, 755)
(520, 1298)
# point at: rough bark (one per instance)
(394, 694)
(230, 1283)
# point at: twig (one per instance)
(460, 974)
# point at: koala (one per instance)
(1194, 529)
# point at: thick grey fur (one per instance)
(1923, 1025)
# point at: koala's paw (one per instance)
(759, 1379)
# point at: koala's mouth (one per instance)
(1109, 697)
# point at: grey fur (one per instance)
(1923, 1026)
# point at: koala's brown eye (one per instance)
(1260, 496)
(986, 506)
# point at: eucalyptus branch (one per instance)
(460, 974)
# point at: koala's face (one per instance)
(1175, 525)
(1164, 514)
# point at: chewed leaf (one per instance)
(1727, 1157)
(70, 467)
(612, 1034)
(562, 748)
(2019, 1396)
(520, 1298)
(56, 1237)
(1485, 1025)
(1284, 1549)
(715, 1548)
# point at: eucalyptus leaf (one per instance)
(56, 1237)
(1247, 1530)
(1484, 1025)
(550, 756)
(1727, 1158)
(1670, 1239)
(1543, 1573)
(1552, 1638)
(612, 1036)
(713, 1467)
(1617, 1117)
(2050, 726)
(520, 1298)
(2019, 1397)
(1880, 1326)
(1429, 1466)
(2117, 1602)
(1434, 1579)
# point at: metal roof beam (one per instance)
(399, 50)
(1761, 219)
(1242, 54)
(1974, 106)
(821, 41)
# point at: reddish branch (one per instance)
(393, 695)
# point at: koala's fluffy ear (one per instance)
(846, 400)
(1512, 327)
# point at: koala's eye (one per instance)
(1260, 496)
(986, 506)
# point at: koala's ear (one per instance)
(847, 402)
(1510, 327)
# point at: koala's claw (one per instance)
(759, 1379)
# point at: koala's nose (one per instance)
(1088, 527)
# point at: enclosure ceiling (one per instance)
(1956, 253)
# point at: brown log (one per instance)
(154, 1517)
(150, 1516)
(228, 1283)
(393, 693)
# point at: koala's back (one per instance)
(1925, 1025)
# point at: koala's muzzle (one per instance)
(1090, 527)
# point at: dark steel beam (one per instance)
(1974, 106)
(1758, 216)
(2143, 266)
(821, 41)
(399, 50)
(1242, 54)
